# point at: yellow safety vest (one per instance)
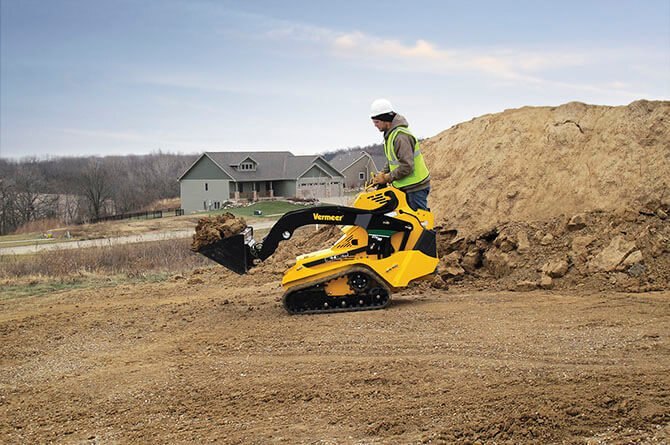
(420, 170)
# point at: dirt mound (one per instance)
(622, 251)
(211, 229)
(535, 163)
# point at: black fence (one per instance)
(151, 214)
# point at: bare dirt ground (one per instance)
(212, 357)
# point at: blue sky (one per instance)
(84, 77)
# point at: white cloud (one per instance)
(357, 42)
(426, 56)
(532, 66)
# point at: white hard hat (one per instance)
(380, 106)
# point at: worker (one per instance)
(405, 167)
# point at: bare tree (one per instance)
(73, 188)
(157, 174)
(7, 199)
(22, 197)
(31, 201)
(96, 187)
(69, 208)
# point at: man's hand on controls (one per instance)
(381, 178)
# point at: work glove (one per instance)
(381, 178)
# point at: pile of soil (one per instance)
(574, 195)
(212, 229)
(536, 163)
(619, 251)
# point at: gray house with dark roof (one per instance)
(357, 167)
(217, 177)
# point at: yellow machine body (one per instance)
(397, 270)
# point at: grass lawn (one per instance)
(31, 242)
(27, 239)
(20, 237)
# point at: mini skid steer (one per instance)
(385, 245)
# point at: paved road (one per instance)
(151, 236)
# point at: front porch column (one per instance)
(238, 190)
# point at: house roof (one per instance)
(344, 160)
(380, 161)
(270, 165)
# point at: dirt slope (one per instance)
(536, 163)
(213, 358)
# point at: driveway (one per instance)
(113, 241)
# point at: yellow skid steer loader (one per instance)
(385, 245)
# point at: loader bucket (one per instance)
(233, 253)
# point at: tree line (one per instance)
(374, 149)
(76, 189)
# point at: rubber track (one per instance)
(311, 298)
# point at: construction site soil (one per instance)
(211, 229)
(547, 322)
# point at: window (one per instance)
(206, 186)
(361, 176)
(204, 205)
(247, 166)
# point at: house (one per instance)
(358, 167)
(217, 177)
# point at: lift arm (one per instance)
(331, 215)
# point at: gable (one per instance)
(205, 168)
(315, 172)
(248, 164)
(326, 166)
